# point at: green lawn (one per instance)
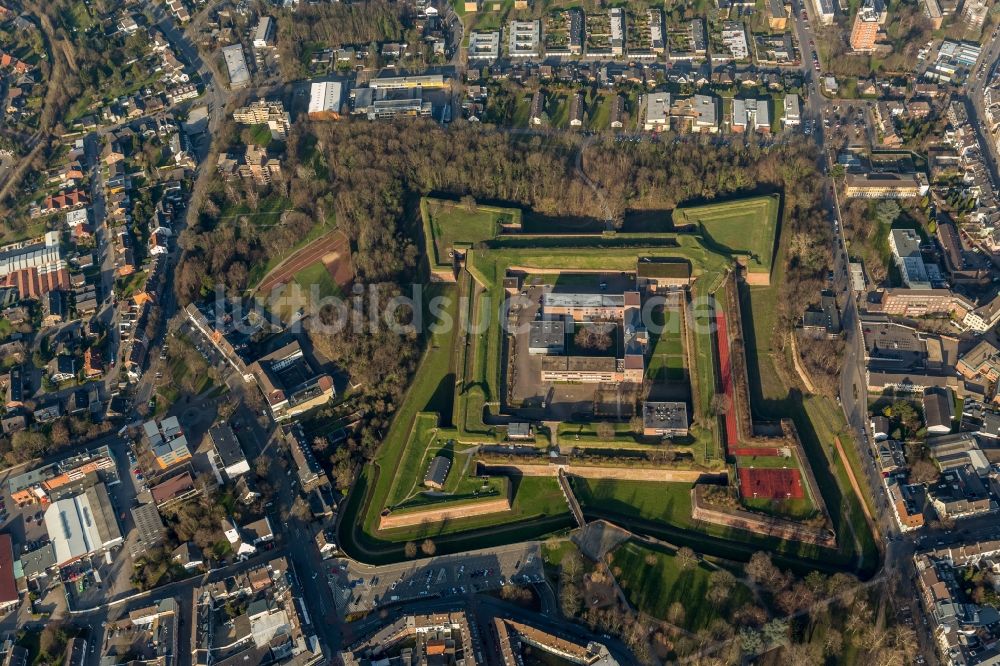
(534, 498)
(420, 438)
(742, 226)
(666, 368)
(538, 505)
(459, 376)
(314, 277)
(462, 483)
(317, 276)
(649, 500)
(654, 587)
(522, 111)
(704, 357)
(817, 419)
(767, 462)
(669, 344)
(259, 135)
(599, 112)
(450, 223)
(127, 286)
(796, 509)
(557, 109)
(431, 375)
(11, 234)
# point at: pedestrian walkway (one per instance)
(574, 505)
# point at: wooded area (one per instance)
(335, 24)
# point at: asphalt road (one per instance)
(988, 60)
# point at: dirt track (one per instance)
(333, 242)
(854, 484)
(439, 515)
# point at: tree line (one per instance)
(335, 24)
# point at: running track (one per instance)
(726, 377)
(284, 272)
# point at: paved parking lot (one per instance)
(204, 347)
(361, 588)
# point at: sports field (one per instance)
(317, 275)
(332, 249)
(747, 226)
(770, 483)
(314, 282)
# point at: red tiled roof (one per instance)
(66, 200)
(32, 284)
(172, 487)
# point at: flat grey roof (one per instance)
(583, 300)
(547, 334)
(148, 524)
(36, 562)
(226, 445)
(665, 415)
(236, 64)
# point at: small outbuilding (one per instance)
(437, 473)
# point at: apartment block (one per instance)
(867, 24)
(886, 186)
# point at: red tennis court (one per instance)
(770, 483)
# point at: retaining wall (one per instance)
(759, 523)
(607, 472)
(411, 518)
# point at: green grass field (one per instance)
(663, 368)
(313, 278)
(557, 109)
(259, 134)
(599, 112)
(10, 234)
(462, 484)
(817, 419)
(652, 588)
(649, 500)
(259, 271)
(796, 509)
(450, 223)
(534, 498)
(317, 276)
(522, 111)
(746, 226)
(669, 344)
(431, 374)
(767, 462)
